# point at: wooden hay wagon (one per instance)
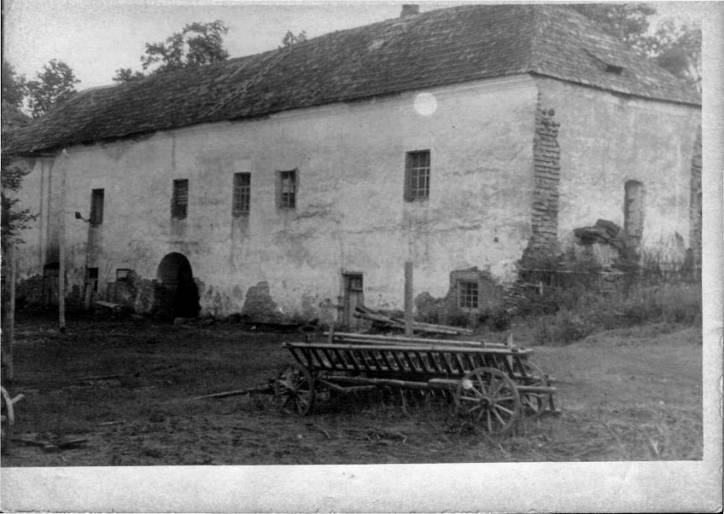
(493, 385)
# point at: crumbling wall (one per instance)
(543, 242)
(447, 309)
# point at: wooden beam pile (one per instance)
(384, 321)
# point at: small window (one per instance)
(123, 274)
(242, 194)
(91, 277)
(467, 294)
(180, 199)
(354, 282)
(417, 176)
(96, 209)
(288, 189)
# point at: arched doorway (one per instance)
(176, 292)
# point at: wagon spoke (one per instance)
(498, 406)
(499, 386)
(294, 383)
(502, 421)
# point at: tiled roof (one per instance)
(435, 48)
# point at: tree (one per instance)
(676, 48)
(628, 22)
(55, 83)
(13, 86)
(11, 173)
(196, 44)
(291, 39)
(128, 75)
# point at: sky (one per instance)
(96, 37)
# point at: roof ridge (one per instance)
(432, 49)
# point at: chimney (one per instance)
(409, 10)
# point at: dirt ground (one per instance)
(628, 394)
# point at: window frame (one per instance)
(418, 171)
(287, 200)
(95, 218)
(468, 294)
(241, 194)
(180, 202)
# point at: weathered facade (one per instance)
(267, 205)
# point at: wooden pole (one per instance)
(61, 256)
(408, 298)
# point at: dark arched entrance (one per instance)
(176, 292)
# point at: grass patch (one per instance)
(563, 316)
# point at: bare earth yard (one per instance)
(627, 394)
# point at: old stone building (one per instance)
(462, 139)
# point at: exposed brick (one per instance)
(546, 171)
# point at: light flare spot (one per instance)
(425, 104)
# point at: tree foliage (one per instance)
(54, 83)
(628, 22)
(674, 47)
(677, 48)
(292, 39)
(196, 44)
(13, 86)
(11, 172)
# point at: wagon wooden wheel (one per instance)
(534, 403)
(489, 397)
(294, 387)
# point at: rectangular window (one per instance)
(180, 199)
(96, 209)
(467, 294)
(417, 176)
(242, 194)
(288, 189)
(123, 274)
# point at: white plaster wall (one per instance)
(350, 211)
(607, 139)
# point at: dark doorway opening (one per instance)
(177, 295)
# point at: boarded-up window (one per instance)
(242, 194)
(96, 209)
(180, 199)
(467, 294)
(288, 189)
(633, 214)
(417, 175)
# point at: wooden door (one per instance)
(353, 296)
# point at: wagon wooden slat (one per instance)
(492, 384)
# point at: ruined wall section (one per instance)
(543, 245)
(607, 140)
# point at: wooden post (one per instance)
(8, 344)
(61, 256)
(408, 298)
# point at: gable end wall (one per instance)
(607, 139)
